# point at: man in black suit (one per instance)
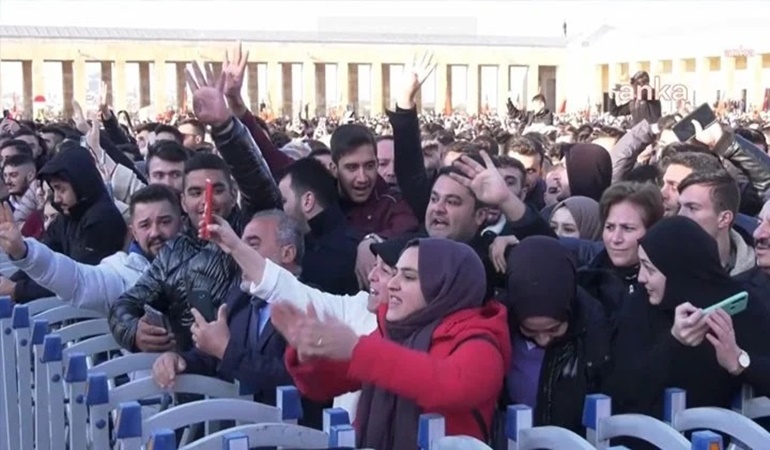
(241, 343)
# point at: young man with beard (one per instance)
(155, 218)
(18, 174)
(89, 227)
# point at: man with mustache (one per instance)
(155, 218)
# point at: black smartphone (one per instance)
(200, 299)
(156, 318)
(684, 129)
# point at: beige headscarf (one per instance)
(585, 211)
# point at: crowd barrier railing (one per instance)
(745, 433)
(53, 390)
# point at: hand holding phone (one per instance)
(686, 130)
(156, 318)
(207, 206)
(200, 299)
(731, 305)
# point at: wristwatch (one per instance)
(743, 360)
(373, 237)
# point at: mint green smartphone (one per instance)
(732, 305)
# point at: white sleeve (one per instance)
(280, 285)
(85, 286)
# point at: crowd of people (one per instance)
(410, 263)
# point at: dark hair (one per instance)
(21, 146)
(200, 129)
(583, 133)
(753, 136)
(170, 151)
(279, 139)
(18, 159)
(525, 147)
(667, 122)
(647, 173)
(349, 137)
(163, 128)
(154, 193)
(207, 161)
(319, 152)
(53, 129)
(644, 195)
(309, 174)
(724, 191)
(149, 127)
(695, 160)
(539, 98)
(488, 144)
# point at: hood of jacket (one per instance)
(745, 259)
(75, 165)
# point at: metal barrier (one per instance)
(523, 436)
(750, 406)
(601, 426)
(745, 432)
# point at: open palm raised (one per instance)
(485, 181)
(208, 96)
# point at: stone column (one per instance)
(533, 84)
(287, 97)
(181, 85)
(756, 92)
(443, 96)
(145, 85)
(727, 73)
(252, 86)
(274, 99)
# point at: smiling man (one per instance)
(155, 218)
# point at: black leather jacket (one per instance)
(750, 165)
(188, 263)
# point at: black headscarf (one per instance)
(542, 279)
(452, 278)
(689, 258)
(589, 170)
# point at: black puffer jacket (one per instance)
(90, 231)
(188, 264)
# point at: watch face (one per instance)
(744, 360)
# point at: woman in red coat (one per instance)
(439, 348)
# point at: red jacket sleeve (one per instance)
(468, 377)
(276, 159)
(320, 379)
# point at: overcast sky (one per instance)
(512, 18)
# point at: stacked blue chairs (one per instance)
(258, 425)
(9, 397)
(103, 401)
(745, 433)
(601, 426)
(523, 436)
(44, 304)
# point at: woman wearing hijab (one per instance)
(661, 343)
(560, 335)
(589, 169)
(577, 217)
(439, 348)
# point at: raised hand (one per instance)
(11, 240)
(79, 118)
(220, 233)
(414, 75)
(722, 336)
(233, 70)
(208, 97)
(104, 105)
(486, 183)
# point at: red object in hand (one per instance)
(207, 209)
